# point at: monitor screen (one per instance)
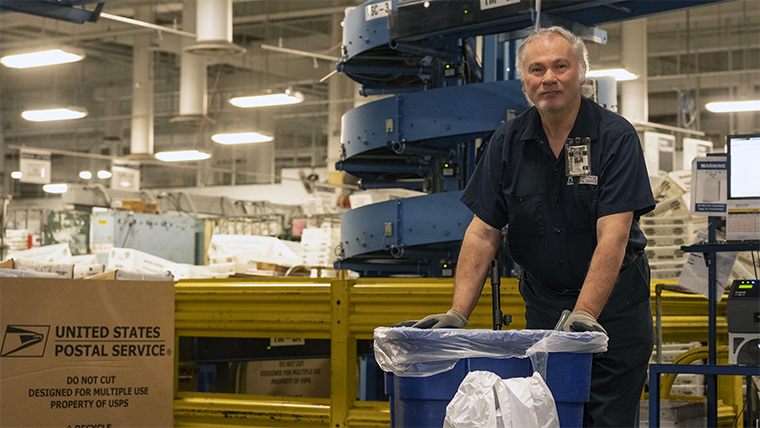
(743, 166)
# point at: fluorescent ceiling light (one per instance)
(85, 175)
(182, 155)
(103, 174)
(54, 114)
(55, 188)
(620, 74)
(268, 100)
(16, 174)
(733, 106)
(241, 138)
(43, 58)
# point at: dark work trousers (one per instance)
(617, 375)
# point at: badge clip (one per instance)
(578, 157)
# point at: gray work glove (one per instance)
(451, 319)
(578, 321)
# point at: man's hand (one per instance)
(578, 321)
(451, 319)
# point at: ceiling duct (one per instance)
(193, 98)
(214, 30)
(141, 143)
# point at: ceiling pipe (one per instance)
(214, 29)
(193, 82)
(141, 145)
(146, 25)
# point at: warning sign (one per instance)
(86, 353)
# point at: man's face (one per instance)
(551, 74)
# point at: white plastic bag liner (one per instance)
(474, 404)
(414, 352)
(484, 400)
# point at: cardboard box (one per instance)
(87, 270)
(674, 184)
(13, 273)
(56, 253)
(86, 353)
(135, 205)
(61, 270)
(120, 274)
(298, 377)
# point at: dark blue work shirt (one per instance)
(552, 222)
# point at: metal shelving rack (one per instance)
(711, 370)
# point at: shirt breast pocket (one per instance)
(581, 217)
(526, 215)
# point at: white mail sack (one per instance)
(484, 400)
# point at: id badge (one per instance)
(578, 157)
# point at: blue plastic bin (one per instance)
(418, 402)
(424, 367)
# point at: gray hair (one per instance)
(579, 49)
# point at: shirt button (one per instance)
(558, 231)
(556, 169)
(561, 262)
(555, 199)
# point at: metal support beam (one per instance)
(344, 311)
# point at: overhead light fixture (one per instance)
(16, 174)
(43, 58)
(55, 188)
(620, 74)
(85, 175)
(54, 114)
(733, 106)
(103, 174)
(241, 138)
(182, 156)
(268, 100)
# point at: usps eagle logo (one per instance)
(24, 340)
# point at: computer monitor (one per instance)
(743, 166)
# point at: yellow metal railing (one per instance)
(343, 311)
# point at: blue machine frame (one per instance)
(62, 10)
(445, 102)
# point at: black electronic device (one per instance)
(743, 316)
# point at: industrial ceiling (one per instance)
(714, 51)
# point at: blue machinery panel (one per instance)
(444, 101)
(63, 10)
(441, 116)
(418, 235)
(413, 136)
(417, 20)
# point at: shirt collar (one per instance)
(585, 123)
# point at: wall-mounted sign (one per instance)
(126, 175)
(35, 166)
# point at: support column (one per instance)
(193, 81)
(142, 87)
(342, 354)
(261, 157)
(634, 96)
(5, 175)
(744, 122)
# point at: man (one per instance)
(569, 179)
